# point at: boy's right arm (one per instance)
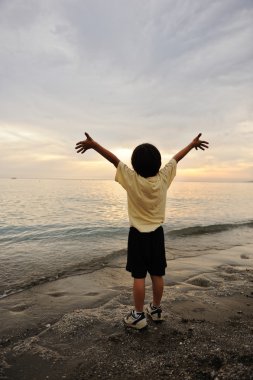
(89, 143)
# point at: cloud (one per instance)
(128, 72)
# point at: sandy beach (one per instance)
(72, 328)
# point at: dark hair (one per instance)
(146, 160)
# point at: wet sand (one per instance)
(72, 328)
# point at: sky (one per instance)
(127, 72)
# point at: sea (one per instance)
(53, 228)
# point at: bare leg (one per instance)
(157, 284)
(139, 294)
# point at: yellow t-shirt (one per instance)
(146, 196)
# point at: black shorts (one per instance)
(146, 253)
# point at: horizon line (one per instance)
(111, 179)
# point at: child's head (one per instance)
(146, 160)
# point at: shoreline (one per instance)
(27, 268)
(72, 328)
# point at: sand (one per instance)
(72, 328)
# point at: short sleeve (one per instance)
(124, 175)
(168, 172)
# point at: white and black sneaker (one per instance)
(155, 313)
(135, 320)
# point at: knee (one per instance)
(157, 280)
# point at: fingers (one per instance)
(82, 150)
(83, 141)
(81, 145)
(203, 146)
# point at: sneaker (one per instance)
(155, 313)
(139, 322)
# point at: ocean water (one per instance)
(55, 228)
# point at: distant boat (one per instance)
(13, 177)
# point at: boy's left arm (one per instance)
(196, 143)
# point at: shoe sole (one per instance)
(139, 326)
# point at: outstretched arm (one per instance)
(89, 143)
(196, 143)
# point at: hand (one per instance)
(197, 143)
(84, 145)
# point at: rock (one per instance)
(200, 281)
(217, 362)
(244, 256)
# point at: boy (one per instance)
(146, 188)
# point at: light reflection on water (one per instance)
(103, 203)
(194, 203)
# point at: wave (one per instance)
(209, 229)
(17, 234)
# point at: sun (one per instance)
(123, 154)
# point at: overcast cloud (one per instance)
(127, 72)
